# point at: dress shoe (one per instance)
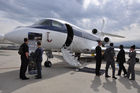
(114, 77)
(118, 75)
(38, 77)
(125, 75)
(25, 78)
(131, 79)
(98, 74)
(107, 76)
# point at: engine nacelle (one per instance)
(94, 31)
(106, 40)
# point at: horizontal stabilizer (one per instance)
(113, 35)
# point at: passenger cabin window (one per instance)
(57, 24)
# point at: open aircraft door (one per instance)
(33, 39)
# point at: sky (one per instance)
(120, 17)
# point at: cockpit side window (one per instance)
(57, 24)
(46, 23)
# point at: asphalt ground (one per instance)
(62, 78)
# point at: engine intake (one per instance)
(106, 39)
(94, 31)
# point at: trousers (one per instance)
(23, 67)
(112, 63)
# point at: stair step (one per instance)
(70, 58)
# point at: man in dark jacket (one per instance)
(98, 58)
(121, 60)
(39, 53)
(24, 59)
(109, 56)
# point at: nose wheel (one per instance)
(47, 64)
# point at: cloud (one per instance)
(7, 24)
(119, 15)
(130, 33)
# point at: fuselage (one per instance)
(55, 34)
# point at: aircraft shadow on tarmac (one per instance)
(10, 82)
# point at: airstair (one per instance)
(70, 58)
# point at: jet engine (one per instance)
(94, 31)
(106, 40)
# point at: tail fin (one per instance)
(101, 33)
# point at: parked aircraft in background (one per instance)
(59, 35)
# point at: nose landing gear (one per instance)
(47, 62)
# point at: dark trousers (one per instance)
(108, 63)
(121, 67)
(98, 65)
(39, 68)
(131, 71)
(23, 67)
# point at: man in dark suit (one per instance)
(24, 59)
(109, 57)
(38, 53)
(98, 58)
(121, 60)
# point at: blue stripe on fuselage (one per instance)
(63, 30)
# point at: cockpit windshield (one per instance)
(43, 23)
(57, 24)
(48, 22)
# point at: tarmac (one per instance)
(61, 77)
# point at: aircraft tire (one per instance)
(47, 64)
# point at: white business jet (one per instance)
(58, 35)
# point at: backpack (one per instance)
(20, 50)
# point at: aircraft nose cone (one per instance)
(17, 35)
(10, 36)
